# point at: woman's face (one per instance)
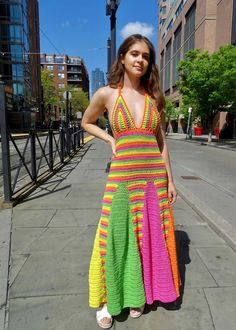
(136, 60)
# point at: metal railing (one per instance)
(39, 153)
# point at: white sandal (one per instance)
(100, 315)
(136, 312)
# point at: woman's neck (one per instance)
(132, 83)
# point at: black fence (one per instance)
(28, 157)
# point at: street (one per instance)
(214, 169)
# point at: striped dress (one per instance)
(134, 255)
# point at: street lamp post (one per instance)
(189, 129)
(111, 8)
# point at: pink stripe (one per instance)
(158, 281)
(136, 145)
(138, 156)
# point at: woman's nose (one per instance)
(140, 58)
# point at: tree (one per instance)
(79, 99)
(208, 82)
(50, 95)
(170, 110)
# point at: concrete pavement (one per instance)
(52, 237)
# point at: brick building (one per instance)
(189, 24)
(67, 70)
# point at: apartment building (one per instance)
(67, 70)
(189, 24)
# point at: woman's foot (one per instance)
(136, 312)
(104, 319)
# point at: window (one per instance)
(164, 10)
(179, 9)
(60, 67)
(59, 59)
(167, 66)
(61, 75)
(15, 12)
(16, 53)
(50, 67)
(169, 26)
(61, 86)
(161, 69)
(49, 59)
(74, 60)
(17, 71)
(189, 29)
(176, 53)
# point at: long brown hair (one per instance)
(150, 81)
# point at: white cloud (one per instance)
(137, 27)
(65, 24)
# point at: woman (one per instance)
(134, 256)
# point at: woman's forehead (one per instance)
(140, 46)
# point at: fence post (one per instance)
(75, 137)
(33, 155)
(78, 139)
(50, 136)
(82, 135)
(62, 144)
(5, 146)
(67, 140)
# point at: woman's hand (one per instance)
(112, 143)
(172, 193)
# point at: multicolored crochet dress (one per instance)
(134, 256)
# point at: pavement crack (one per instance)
(50, 220)
(209, 308)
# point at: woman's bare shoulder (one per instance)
(105, 92)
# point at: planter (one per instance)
(217, 132)
(198, 131)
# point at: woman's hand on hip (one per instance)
(112, 143)
(172, 192)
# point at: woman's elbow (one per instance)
(84, 122)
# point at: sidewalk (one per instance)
(52, 238)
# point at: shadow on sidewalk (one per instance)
(50, 186)
(182, 243)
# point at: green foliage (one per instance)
(170, 110)
(50, 95)
(208, 82)
(79, 99)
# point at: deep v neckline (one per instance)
(130, 114)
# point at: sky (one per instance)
(81, 27)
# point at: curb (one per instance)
(222, 227)
(5, 246)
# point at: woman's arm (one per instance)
(93, 112)
(161, 139)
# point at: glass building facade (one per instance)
(98, 79)
(16, 47)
